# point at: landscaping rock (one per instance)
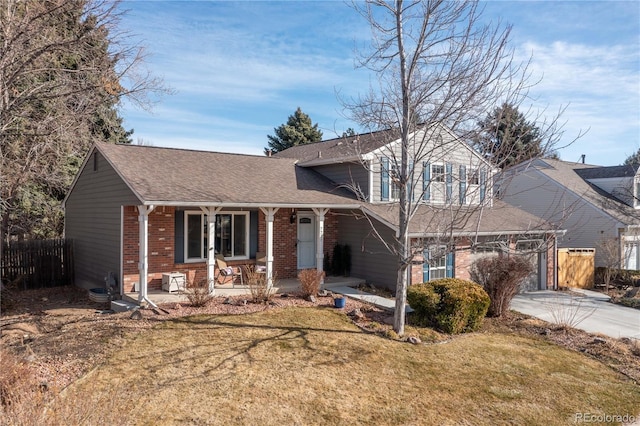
(356, 314)
(284, 295)
(599, 340)
(414, 340)
(228, 301)
(311, 298)
(136, 314)
(323, 293)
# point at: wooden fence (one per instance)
(37, 263)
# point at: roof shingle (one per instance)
(185, 176)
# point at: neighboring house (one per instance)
(594, 204)
(141, 211)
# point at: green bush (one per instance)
(449, 304)
(425, 301)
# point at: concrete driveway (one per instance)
(589, 311)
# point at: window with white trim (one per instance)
(231, 235)
(438, 263)
(437, 173)
(474, 177)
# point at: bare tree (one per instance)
(64, 68)
(610, 254)
(439, 71)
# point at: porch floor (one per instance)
(289, 285)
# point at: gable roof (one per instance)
(433, 220)
(572, 176)
(608, 172)
(353, 148)
(171, 176)
(340, 149)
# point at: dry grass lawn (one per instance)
(314, 366)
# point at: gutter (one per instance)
(249, 205)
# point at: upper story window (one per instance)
(231, 235)
(437, 172)
(389, 187)
(474, 177)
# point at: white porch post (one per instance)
(211, 243)
(270, 213)
(320, 213)
(143, 265)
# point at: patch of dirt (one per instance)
(63, 335)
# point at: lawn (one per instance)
(314, 366)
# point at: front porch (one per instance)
(289, 285)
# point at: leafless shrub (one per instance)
(501, 278)
(569, 312)
(259, 287)
(310, 280)
(198, 293)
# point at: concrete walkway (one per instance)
(583, 309)
(381, 302)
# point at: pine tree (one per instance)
(298, 130)
(507, 138)
(61, 67)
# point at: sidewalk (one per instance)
(381, 302)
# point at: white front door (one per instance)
(306, 240)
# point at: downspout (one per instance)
(121, 276)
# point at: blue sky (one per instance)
(239, 69)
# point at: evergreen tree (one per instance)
(298, 130)
(506, 138)
(61, 68)
(633, 159)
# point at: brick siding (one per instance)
(162, 246)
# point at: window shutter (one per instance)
(483, 185)
(426, 178)
(425, 266)
(384, 179)
(449, 181)
(450, 265)
(463, 184)
(179, 237)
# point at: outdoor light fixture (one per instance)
(292, 218)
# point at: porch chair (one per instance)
(225, 271)
(261, 261)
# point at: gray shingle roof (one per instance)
(571, 175)
(184, 176)
(500, 218)
(607, 172)
(346, 148)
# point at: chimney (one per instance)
(269, 152)
(319, 154)
(582, 157)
